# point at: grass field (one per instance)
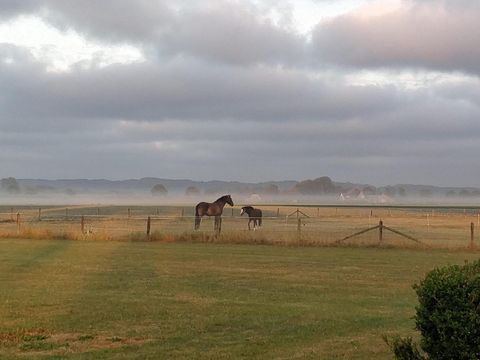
(140, 300)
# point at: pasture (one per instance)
(152, 300)
(434, 227)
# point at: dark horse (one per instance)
(212, 209)
(254, 215)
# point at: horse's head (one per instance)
(228, 200)
(245, 209)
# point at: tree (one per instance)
(450, 193)
(10, 185)
(369, 190)
(192, 191)
(271, 189)
(464, 193)
(390, 191)
(321, 185)
(426, 193)
(159, 190)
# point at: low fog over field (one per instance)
(147, 191)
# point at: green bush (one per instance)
(404, 348)
(448, 314)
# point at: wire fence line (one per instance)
(429, 227)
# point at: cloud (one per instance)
(118, 120)
(427, 34)
(224, 91)
(13, 8)
(180, 89)
(422, 34)
(223, 31)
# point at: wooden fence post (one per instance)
(232, 212)
(39, 214)
(318, 212)
(66, 213)
(18, 223)
(11, 214)
(148, 227)
(129, 212)
(183, 212)
(82, 224)
(299, 231)
(98, 211)
(380, 231)
(298, 213)
(278, 212)
(472, 235)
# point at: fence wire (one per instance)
(434, 227)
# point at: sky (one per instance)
(379, 92)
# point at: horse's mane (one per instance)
(248, 207)
(224, 198)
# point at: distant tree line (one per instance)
(320, 186)
(10, 185)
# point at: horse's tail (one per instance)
(198, 218)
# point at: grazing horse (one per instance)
(212, 209)
(254, 215)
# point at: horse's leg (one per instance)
(249, 220)
(198, 219)
(219, 224)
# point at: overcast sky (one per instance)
(379, 92)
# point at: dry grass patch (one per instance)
(36, 342)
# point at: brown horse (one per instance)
(212, 209)
(254, 215)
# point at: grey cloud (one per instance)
(110, 20)
(223, 31)
(232, 33)
(187, 90)
(13, 8)
(424, 34)
(429, 34)
(185, 117)
(466, 92)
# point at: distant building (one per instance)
(353, 194)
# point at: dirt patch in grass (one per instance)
(44, 342)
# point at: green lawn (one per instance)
(126, 300)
